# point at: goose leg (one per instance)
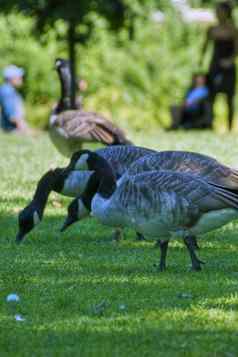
(163, 244)
(195, 243)
(196, 246)
(139, 237)
(117, 235)
(190, 243)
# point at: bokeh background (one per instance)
(135, 67)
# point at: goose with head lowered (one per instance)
(70, 127)
(160, 204)
(206, 167)
(71, 182)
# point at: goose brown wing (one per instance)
(90, 126)
(188, 162)
(207, 167)
(108, 130)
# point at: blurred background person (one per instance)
(222, 69)
(11, 102)
(195, 110)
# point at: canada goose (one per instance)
(70, 182)
(70, 127)
(159, 204)
(179, 161)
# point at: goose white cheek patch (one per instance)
(36, 218)
(58, 63)
(81, 164)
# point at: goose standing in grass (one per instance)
(208, 168)
(204, 166)
(70, 128)
(159, 204)
(71, 182)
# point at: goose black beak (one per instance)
(66, 224)
(19, 237)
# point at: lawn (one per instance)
(83, 295)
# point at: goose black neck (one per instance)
(42, 192)
(102, 181)
(52, 180)
(104, 173)
(65, 84)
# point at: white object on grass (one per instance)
(19, 318)
(13, 297)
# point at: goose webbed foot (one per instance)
(139, 237)
(191, 245)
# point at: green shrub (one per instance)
(133, 82)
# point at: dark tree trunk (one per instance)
(72, 57)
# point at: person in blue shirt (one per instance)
(11, 102)
(196, 94)
(195, 109)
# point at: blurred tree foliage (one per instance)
(134, 80)
(74, 13)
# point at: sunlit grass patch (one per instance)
(82, 294)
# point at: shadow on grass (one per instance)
(128, 334)
(62, 278)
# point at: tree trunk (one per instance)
(72, 58)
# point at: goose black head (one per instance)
(28, 218)
(61, 63)
(76, 211)
(32, 214)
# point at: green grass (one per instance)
(82, 295)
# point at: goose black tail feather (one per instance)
(120, 139)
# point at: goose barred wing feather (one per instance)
(107, 126)
(90, 126)
(188, 162)
(121, 157)
(180, 198)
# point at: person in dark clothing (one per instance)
(193, 112)
(222, 69)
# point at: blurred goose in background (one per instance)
(70, 127)
(70, 182)
(159, 204)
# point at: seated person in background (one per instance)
(11, 102)
(194, 112)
